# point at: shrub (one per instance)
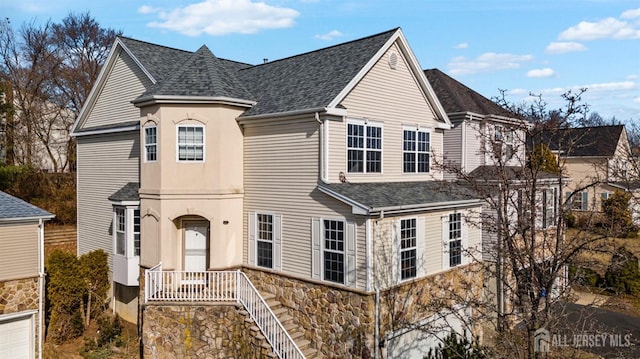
(458, 347)
(585, 276)
(623, 274)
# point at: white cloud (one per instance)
(636, 100)
(463, 45)
(630, 14)
(221, 17)
(564, 47)
(146, 9)
(537, 73)
(487, 62)
(608, 28)
(329, 36)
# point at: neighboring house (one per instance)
(486, 149)
(598, 160)
(482, 133)
(313, 175)
(21, 278)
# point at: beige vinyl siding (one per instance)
(105, 164)
(452, 147)
(125, 83)
(281, 176)
(433, 237)
(473, 137)
(394, 98)
(19, 256)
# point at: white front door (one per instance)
(196, 246)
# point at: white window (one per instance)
(455, 239)
(497, 133)
(549, 208)
(605, 195)
(364, 148)
(408, 249)
(126, 231)
(190, 144)
(265, 240)
(580, 200)
(415, 150)
(151, 143)
(333, 250)
(120, 227)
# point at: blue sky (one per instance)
(543, 47)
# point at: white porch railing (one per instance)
(222, 286)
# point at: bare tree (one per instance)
(50, 69)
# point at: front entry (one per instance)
(196, 246)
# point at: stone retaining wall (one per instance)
(201, 331)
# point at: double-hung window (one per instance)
(579, 200)
(415, 150)
(455, 239)
(151, 143)
(190, 144)
(408, 249)
(334, 250)
(120, 227)
(549, 208)
(364, 147)
(126, 229)
(265, 240)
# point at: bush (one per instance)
(623, 274)
(75, 284)
(456, 347)
(585, 276)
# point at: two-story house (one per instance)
(22, 278)
(486, 148)
(312, 175)
(599, 161)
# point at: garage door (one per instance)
(414, 343)
(16, 338)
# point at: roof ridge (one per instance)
(325, 48)
(154, 44)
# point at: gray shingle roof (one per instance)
(456, 97)
(309, 80)
(14, 208)
(511, 173)
(598, 141)
(201, 74)
(406, 194)
(128, 193)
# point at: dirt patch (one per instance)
(128, 346)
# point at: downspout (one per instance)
(376, 336)
(463, 148)
(500, 264)
(324, 148)
(41, 279)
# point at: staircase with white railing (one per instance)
(221, 286)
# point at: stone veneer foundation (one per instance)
(18, 295)
(175, 331)
(21, 295)
(339, 322)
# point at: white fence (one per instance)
(222, 286)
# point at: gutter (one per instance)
(151, 100)
(25, 219)
(331, 111)
(105, 131)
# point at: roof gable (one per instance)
(311, 80)
(456, 97)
